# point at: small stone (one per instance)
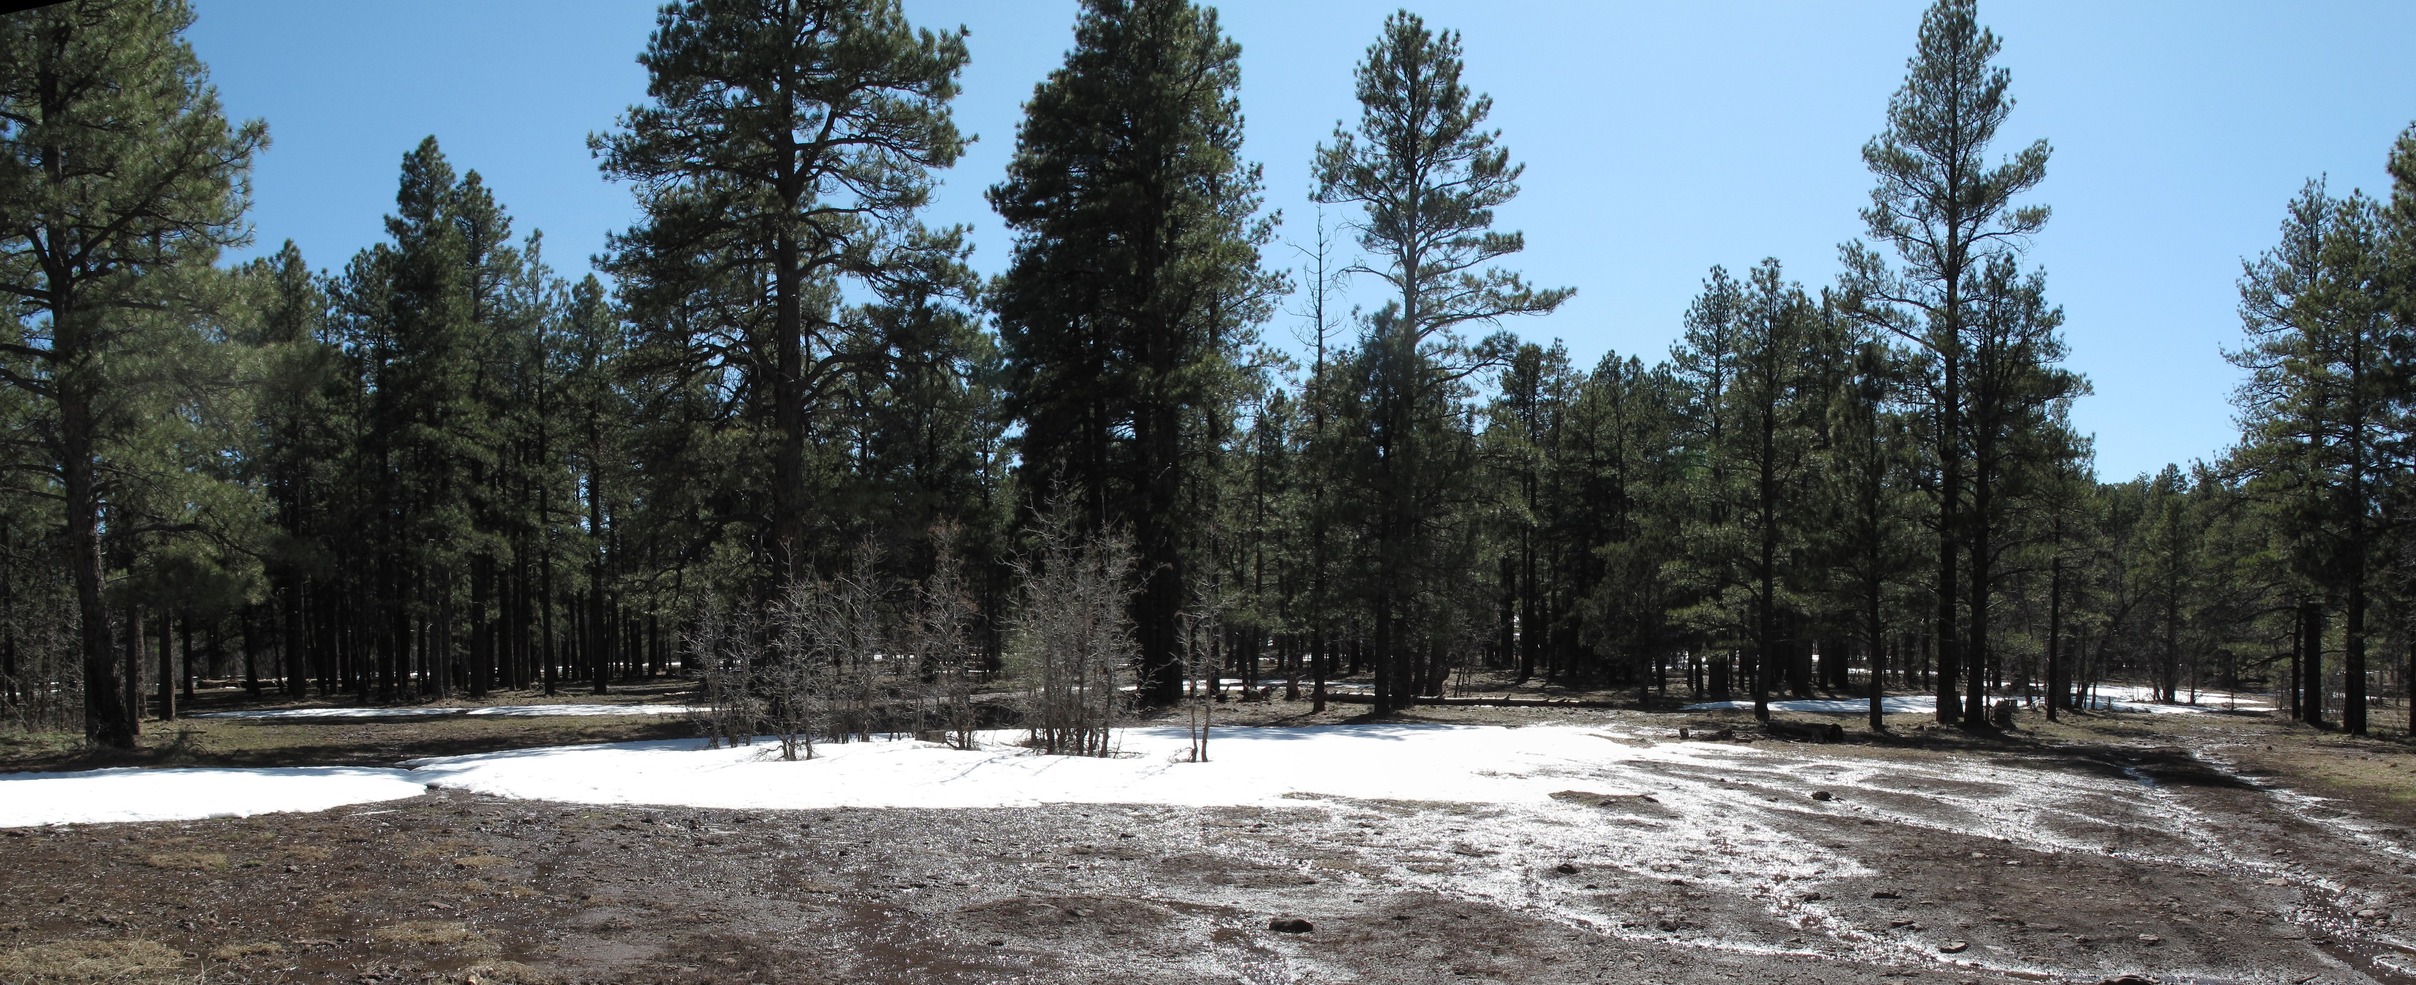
(1954, 947)
(2128, 980)
(1566, 868)
(2375, 915)
(1823, 795)
(1885, 894)
(2277, 881)
(2150, 939)
(1290, 925)
(998, 942)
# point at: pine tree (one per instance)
(300, 436)
(1773, 405)
(787, 148)
(1428, 177)
(1867, 545)
(119, 170)
(1946, 212)
(2324, 407)
(1133, 282)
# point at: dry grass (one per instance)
(498, 973)
(91, 962)
(423, 932)
(187, 861)
(232, 952)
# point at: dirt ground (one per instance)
(2175, 848)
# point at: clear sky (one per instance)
(1659, 139)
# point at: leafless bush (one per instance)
(1071, 637)
(1202, 625)
(838, 663)
(727, 643)
(943, 631)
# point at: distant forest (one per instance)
(783, 426)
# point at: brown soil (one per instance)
(2273, 884)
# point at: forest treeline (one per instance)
(1304, 451)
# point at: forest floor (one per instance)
(2177, 848)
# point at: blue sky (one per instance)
(1659, 139)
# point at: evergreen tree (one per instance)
(1428, 177)
(119, 170)
(301, 434)
(1868, 544)
(2324, 409)
(787, 149)
(1134, 279)
(1946, 212)
(1534, 387)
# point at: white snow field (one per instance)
(99, 796)
(1258, 766)
(2110, 697)
(1246, 767)
(483, 711)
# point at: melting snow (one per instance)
(1893, 705)
(2111, 697)
(483, 711)
(181, 794)
(1256, 766)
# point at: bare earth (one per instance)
(2206, 848)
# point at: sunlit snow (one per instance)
(421, 711)
(182, 794)
(1247, 766)
(2110, 697)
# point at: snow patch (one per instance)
(135, 794)
(2122, 698)
(1246, 767)
(483, 711)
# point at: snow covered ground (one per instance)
(1266, 767)
(2112, 697)
(484, 711)
(1246, 767)
(99, 796)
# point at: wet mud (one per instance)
(2171, 860)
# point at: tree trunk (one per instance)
(1950, 493)
(108, 721)
(2055, 633)
(2312, 622)
(167, 669)
(133, 696)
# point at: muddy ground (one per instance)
(2206, 848)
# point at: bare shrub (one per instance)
(1202, 624)
(726, 642)
(943, 639)
(1070, 641)
(834, 659)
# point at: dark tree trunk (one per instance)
(167, 669)
(2055, 634)
(108, 719)
(2311, 623)
(133, 697)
